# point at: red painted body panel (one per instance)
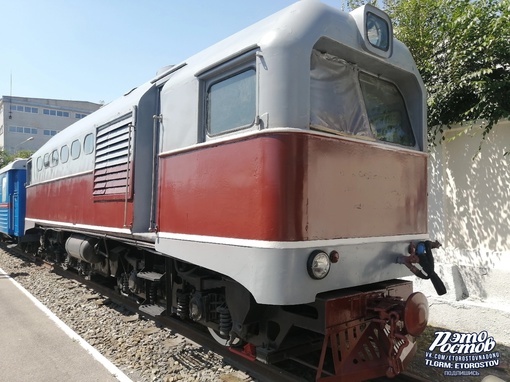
(293, 186)
(272, 186)
(70, 200)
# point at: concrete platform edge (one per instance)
(114, 370)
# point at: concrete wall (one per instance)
(469, 212)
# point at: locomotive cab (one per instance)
(310, 140)
(311, 144)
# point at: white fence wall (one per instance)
(469, 212)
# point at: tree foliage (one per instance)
(462, 50)
(6, 158)
(23, 154)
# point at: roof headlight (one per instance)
(375, 29)
(318, 265)
(378, 31)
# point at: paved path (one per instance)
(36, 346)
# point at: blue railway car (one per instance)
(12, 198)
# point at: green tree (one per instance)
(23, 154)
(462, 50)
(5, 157)
(353, 4)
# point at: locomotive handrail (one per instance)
(156, 120)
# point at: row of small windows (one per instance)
(57, 113)
(26, 109)
(24, 130)
(52, 159)
(30, 130)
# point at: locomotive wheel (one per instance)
(222, 340)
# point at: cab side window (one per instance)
(231, 103)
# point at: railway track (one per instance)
(258, 370)
(289, 372)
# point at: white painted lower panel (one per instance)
(93, 229)
(276, 274)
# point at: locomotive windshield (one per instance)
(344, 100)
(336, 103)
(386, 111)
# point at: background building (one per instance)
(27, 123)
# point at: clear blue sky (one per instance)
(96, 50)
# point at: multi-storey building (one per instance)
(27, 123)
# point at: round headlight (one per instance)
(318, 265)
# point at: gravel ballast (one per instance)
(140, 348)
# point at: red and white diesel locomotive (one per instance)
(263, 188)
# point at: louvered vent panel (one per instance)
(113, 153)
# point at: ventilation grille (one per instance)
(112, 163)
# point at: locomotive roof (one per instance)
(297, 27)
(115, 109)
(16, 164)
(292, 27)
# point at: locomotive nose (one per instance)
(416, 313)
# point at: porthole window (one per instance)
(54, 158)
(39, 164)
(75, 149)
(46, 160)
(88, 144)
(64, 154)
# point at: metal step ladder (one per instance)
(150, 276)
(150, 307)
